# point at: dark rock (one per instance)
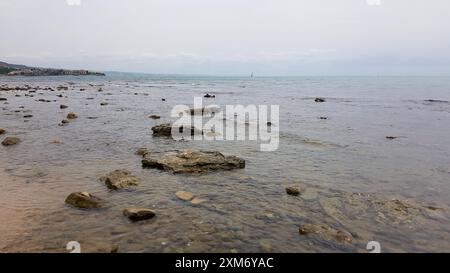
(391, 137)
(3, 99)
(28, 116)
(62, 106)
(163, 99)
(103, 103)
(138, 214)
(193, 161)
(166, 130)
(2, 131)
(83, 200)
(292, 191)
(119, 179)
(209, 96)
(10, 141)
(154, 117)
(319, 100)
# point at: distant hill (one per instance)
(12, 66)
(23, 70)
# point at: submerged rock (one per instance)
(166, 130)
(193, 161)
(119, 179)
(72, 115)
(142, 152)
(326, 232)
(184, 195)
(10, 141)
(138, 214)
(83, 200)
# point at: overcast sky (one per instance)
(230, 37)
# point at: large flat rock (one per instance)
(193, 161)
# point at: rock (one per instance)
(163, 99)
(2, 131)
(193, 161)
(203, 111)
(62, 106)
(166, 130)
(319, 100)
(209, 96)
(103, 104)
(326, 232)
(184, 195)
(3, 99)
(154, 117)
(119, 179)
(142, 152)
(10, 141)
(28, 116)
(138, 214)
(292, 191)
(72, 115)
(83, 200)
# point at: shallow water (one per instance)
(247, 210)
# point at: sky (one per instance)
(230, 37)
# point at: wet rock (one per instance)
(292, 191)
(142, 152)
(72, 115)
(62, 106)
(326, 232)
(119, 179)
(193, 161)
(138, 214)
(166, 130)
(203, 111)
(319, 100)
(9, 141)
(83, 200)
(184, 195)
(154, 117)
(2, 131)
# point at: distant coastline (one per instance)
(22, 70)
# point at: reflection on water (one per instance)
(349, 172)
